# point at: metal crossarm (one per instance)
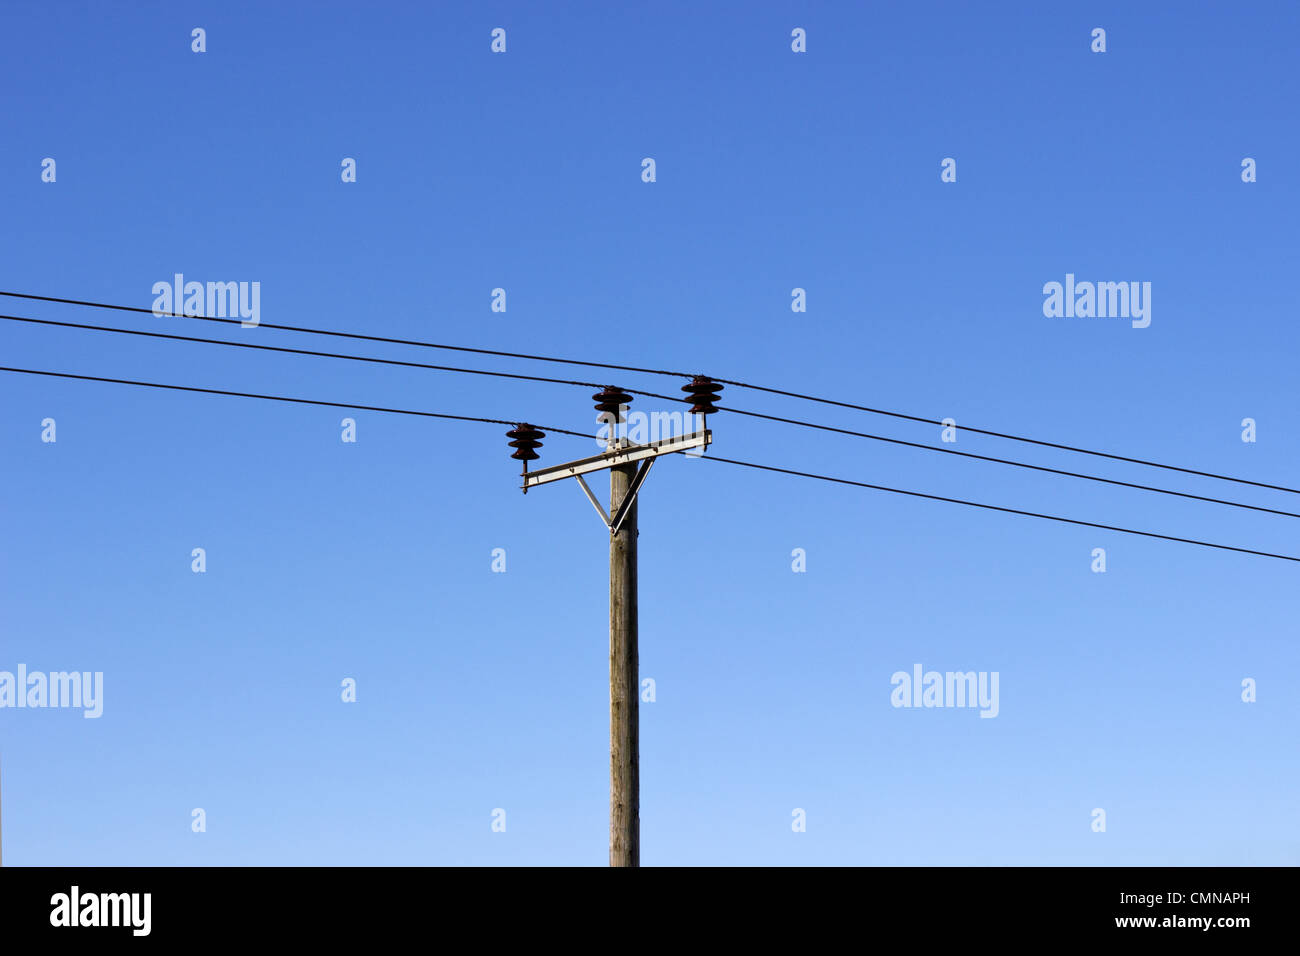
(622, 455)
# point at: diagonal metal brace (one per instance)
(600, 510)
(617, 521)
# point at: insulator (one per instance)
(612, 399)
(703, 392)
(525, 439)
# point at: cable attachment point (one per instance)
(703, 392)
(524, 438)
(611, 401)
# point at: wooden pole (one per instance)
(624, 682)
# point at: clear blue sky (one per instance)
(775, 170)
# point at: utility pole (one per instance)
(624, 680)
(629, 464)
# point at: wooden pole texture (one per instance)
(624, 683)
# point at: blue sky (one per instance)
(775, 170)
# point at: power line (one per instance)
(1009, 437)
(349, 335)
(651, 371)
(1008, 461)
(337, 355)
(281, 348)
(1014, 511)
(285, 398)
(649, 394)
(730, 461)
